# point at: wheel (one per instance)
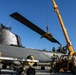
(51, 71)
(42, 68)
(30, 71)
(20, 70)
(74, 70)
(4, 66)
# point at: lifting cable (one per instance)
(38, 43)
(46, 21)
(47, 15)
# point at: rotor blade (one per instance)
(32, 26)
(27, 23)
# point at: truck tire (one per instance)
(74, 70)
(4, 66)
(42, 68)
(30, 71)
(20, 70)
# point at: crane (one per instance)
(70, 62)
(69, 44)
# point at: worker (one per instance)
(74, 59)
(65, 62)
(53, 49)
(54, 59)
(74, 63)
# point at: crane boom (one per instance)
(69, 45)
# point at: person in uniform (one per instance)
(54, 59)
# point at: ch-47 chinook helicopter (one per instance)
(13, 53)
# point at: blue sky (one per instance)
(41, 13)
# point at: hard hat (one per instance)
(54, 54)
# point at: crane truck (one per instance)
(66, 62)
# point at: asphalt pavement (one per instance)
(38, 72)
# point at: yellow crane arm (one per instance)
(69, 45)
